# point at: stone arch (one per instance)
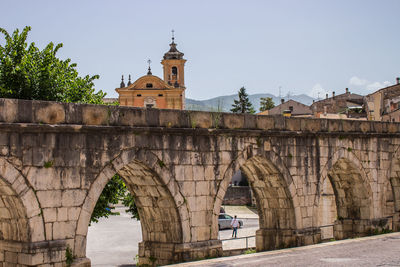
(14, 221)
(394, 178)
(352, 194)
(275, 195)
(20, 213)
(164, 215)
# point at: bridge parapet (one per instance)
(46, 112)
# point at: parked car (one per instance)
(224, 221)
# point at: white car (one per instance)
(224, 221)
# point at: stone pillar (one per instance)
(308, 236)
(343, 229)
(269, 239)
(396, 222)
(166, 253)
(81, 262)
(349, 228)
(14, 253)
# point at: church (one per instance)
(150, 91)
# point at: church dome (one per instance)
(173, 52)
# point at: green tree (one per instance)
(114, 192)
(26, 72)
(243, 105)
(266, 103)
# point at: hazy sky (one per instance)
(302, 46)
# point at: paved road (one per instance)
(114, 241)
(383, 250)
(250, 226)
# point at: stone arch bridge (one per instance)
(55, 159)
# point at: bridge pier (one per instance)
(166, 253)
(308, 236)
(349, 228)
(396, 221)
(13, 253)
(270, 239)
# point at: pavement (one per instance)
(250, 220)
(114, 241)
(242, 212)
(381, 250)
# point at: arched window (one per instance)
(149, 85)
(174, 71)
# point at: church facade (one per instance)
(150, 91)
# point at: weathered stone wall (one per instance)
(237, 195)
(55, 159)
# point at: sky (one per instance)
(281, 47)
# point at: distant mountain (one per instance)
(224, 103)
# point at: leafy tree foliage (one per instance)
(26, 72)
(243, 105)
(266, 103)
(114, 192)
(129, 201)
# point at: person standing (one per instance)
(234, 226)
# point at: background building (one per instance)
(150, 91)
(383, 105)
(290, 108)
(343, 106)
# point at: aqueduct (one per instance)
(56, 158)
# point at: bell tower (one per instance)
(174, 66)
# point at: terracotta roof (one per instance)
(355, 98)
(298, 108)
(390, 91)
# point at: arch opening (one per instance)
(393, 200)
(274, 203)
(159, 218)
(352, 198)
(14, 225)
(238, 201)
(174, 71)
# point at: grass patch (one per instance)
(250, 251)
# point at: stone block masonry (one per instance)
(305, 174)
(237, 195)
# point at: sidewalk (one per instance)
(242, 212)
(250, 217)
(380, 250)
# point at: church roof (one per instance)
(173, 52)
(144, 81)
